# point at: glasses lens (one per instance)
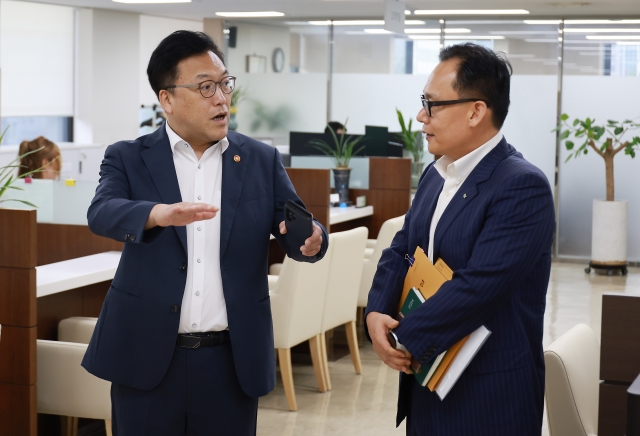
(425, 105)
(228, 85)
(208, 88)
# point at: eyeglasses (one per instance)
(428, 104)
(208, 87)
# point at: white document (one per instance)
(462, 360)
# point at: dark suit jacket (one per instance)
(496, 235)
(137, 329)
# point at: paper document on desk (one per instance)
(461, 361)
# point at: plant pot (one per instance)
(609, 235)
(341, 183)
(416, 172)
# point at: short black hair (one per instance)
(482, 73)
(335, 125)
(181, 44)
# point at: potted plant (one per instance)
(414, 144)
(609, 228)
(236, 97)
(341, 153)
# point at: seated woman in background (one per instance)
(49, 158)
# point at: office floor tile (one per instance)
(365, 404)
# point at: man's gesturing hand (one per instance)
(379, 325)
(312, 245)
(179, 214)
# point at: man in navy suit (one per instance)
(185, 332)
(489, 215)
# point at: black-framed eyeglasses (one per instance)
(207, 88)
(428, 104)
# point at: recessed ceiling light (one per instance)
(472, 12)
(362, 23)
(151, 1)
(611, 37)
(407, 12)
(458, 38)
(263, 14)
(451, 30)
(376, 31)
(601, 30)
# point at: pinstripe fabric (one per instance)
(496, 235)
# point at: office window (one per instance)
(36, 57)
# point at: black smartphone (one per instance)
(299, 223)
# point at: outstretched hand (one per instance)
(179, 214)
(312, 245)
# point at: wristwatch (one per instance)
(394, 342)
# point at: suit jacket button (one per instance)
(126, 237)
(183, 267)
(174, 308)
(132, 238)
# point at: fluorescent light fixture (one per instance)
(582, 22)
(152, 1)
(452, 30)
(407, 12)
(262, 14)
(226, 31)
(377, 31)
(612, 37)
(362, 23)
(458, 38)
(601, 30)
(471, 12)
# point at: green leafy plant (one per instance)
(238, 95)
(343, 150)
(8, 177)
(413, 141)
(593, 137)
(274, 119)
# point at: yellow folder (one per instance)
(428, 278)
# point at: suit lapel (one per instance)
(434, 185)
(158, 158)
(233, 174)
(468, 191)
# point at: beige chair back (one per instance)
(297, 300)
(385, 237)
(345, 273)
(572, 381)
(66, 388)
(76, 329)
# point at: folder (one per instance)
(448, 366)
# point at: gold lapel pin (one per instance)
(236, 158)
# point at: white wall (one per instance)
(258, 39)
(152, 31)
(363, 54)
(582, 180)
(107, 88)
(36, 57)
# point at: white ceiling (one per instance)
(336, 9)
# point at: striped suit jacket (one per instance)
(496, 234)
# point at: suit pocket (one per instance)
(130, 292)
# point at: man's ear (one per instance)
(479, 111)
(165, 98)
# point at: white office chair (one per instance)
(296, 305)
(572, 381)
(76, 329)
(385, 236)
(341, 301)
(66, 388)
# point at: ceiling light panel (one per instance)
(472, 12)
(423, 31)
(260, 14)
(362, 23)
(151, 1)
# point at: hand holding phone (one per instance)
(299, 223)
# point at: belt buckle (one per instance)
(198, 344)
(193, 337)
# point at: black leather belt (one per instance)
(207, 339)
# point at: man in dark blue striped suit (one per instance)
(489, 215)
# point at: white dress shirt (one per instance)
(454, 174)
(203, 305)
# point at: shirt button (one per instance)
(194, 325)
(198, 166)
(198, 260)
(197, 293)
(199, 197)
(199, 228)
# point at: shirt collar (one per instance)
(175, 139)
(461, 168)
